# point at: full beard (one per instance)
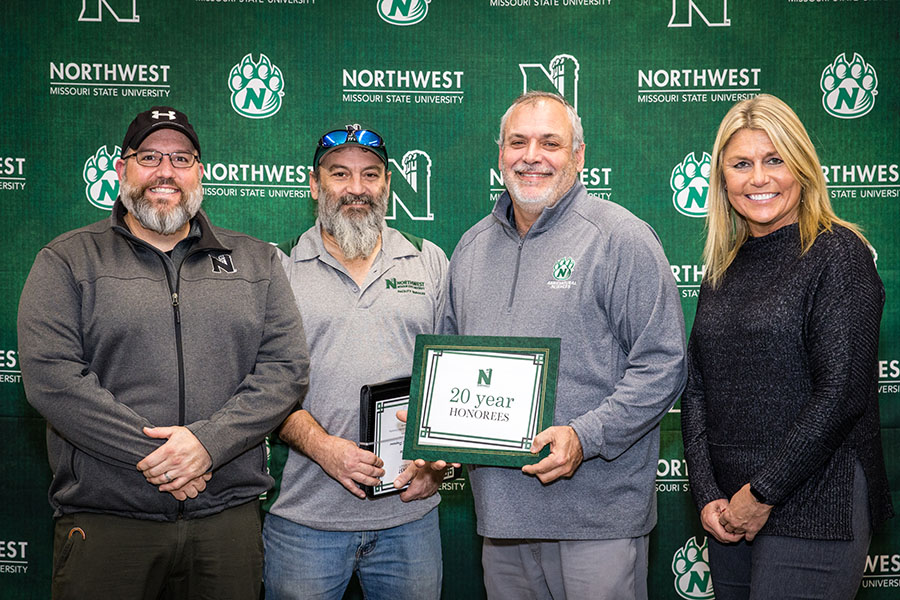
(161, 219)
(357, 230)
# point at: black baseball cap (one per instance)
(158, 117)
(350, 135)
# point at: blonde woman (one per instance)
(780, 414)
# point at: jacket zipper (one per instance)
(179, 351)
(512, 292)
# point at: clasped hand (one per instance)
(181, 466)
(740, 518)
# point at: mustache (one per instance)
(162, 181)
(353, 199)
(526, 168)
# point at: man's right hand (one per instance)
(349, 464)
(192, 488)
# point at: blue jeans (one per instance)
(400, 562)
(784, 568)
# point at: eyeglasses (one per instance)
(152, 158)
(363, 137)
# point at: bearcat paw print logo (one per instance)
(256, 87)
(100, 178)
(690, 565)
(690, 184)
(848, 89)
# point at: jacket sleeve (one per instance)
(644, 314)
(842, 327)
(272, 389)
(57, 377)
(704, 488)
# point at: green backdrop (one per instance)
(261, 80)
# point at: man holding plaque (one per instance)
(551, 261)
(364, 291)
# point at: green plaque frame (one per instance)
(481, 399)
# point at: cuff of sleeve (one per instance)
(206, 437)
(591, 446)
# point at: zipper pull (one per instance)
(175, 306)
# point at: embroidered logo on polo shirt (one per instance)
(405, 286)
(562, 271)
(222, 263)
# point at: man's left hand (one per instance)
(423, 477)
(181, 459)
(745, 514)
(565, 454)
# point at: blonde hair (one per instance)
(727, 230)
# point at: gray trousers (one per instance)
(566, 569)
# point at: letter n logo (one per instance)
(92, 10)
(712, 12)
(222, 263)
(561, 78)
(390, 284)
(484, 376)
(412, 191)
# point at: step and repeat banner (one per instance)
(262, 79)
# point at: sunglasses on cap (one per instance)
(363, 137)
(353, 135)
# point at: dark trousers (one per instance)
(784, 568)
(218, 557)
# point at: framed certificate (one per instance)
(381, 432)
(481, 400)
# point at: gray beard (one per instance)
(358, 233)
(164, 222)
(531, 203)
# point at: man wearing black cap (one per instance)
(365, 291)
(161, 350)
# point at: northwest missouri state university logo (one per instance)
(561, 77)
(10, 372)
(12, 173)
(142, 80)
(714, 13)
(13, 557)
(123, 11)
(690, 565)
(403, 12)
(255, 180)
(562, 274)
(848, 89)
(882, 571)
(863, 181)
(411, 191)
(562, 270)
(405, 286)
(256, 87)
(403, 86)
(100, 179)
(690, 185)
(688, 278)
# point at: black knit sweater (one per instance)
(782, 385)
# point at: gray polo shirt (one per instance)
(356, 335)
